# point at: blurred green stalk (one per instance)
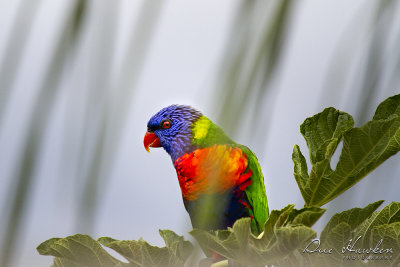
(24, 176)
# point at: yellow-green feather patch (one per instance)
(201, 127)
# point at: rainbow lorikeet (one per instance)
(221, 181)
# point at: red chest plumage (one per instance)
(212, 170)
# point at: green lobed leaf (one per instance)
(323, 130)
(339, 235)
(129, 249)
(158, 257)
(180, 247)
(241, 230)
(301, 172)
(362, 228)
(340, 230)
(336, 234)
(291, 238)
(284, 233)
(62, 262)
(141, 253)
(388, 236)
(288, 216)
(80, 249)
(306, 216)
(353, 217)
(276, 218)
(388, 108)
(388, 215)
(364, 149)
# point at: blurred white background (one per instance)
(79, 80)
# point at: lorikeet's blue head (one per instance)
(171, 128)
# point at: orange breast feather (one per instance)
(212, 170)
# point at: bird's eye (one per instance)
(166, 124)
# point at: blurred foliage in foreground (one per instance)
(369, 235)
(99, 88)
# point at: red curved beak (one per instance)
(151, 140)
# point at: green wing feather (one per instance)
(256, 192)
